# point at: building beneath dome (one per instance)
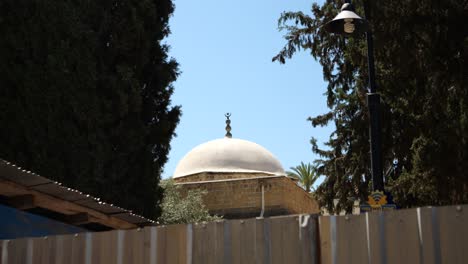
(242, 179)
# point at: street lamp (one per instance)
(348, 23)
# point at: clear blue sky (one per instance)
(224, 49)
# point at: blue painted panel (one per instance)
(15, 223)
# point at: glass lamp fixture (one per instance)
(348, 25)
(347, 22)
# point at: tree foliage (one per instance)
(85, 95)
(306, 174)
(421, 55)
(183, 209)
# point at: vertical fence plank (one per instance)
(290, 240)
(189, 243)
(162, 245)
(375, 228)
(172, 245)
(218, 240)
(150, 244)
(351, 239)
(104, 247)
(176, 244)
(4, 251)
(78, 249)
(181, 248)
(42, 250)
(325, 240)
(235, 241)
(276, 250)
(284, 234)
(207, 243)
(182, 245)
(17, 251)
(402, 236)
(58, 251)
(427, 237)
(453, 228)
(133, 246)
(198, 248)
(261, 242)
(247, 241)
(63, 249)
(227, 243)
(52, 249)
(308, 239)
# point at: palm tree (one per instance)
(306, 174)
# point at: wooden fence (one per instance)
(268, 240)
(423, 235)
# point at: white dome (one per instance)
(228, 155)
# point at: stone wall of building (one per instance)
(239, 198)
(298, 199)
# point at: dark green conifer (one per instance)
(85, 90)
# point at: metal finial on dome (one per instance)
(228, 125)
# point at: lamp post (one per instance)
(348, 23)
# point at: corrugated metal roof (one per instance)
(15, 174)
(11, 172)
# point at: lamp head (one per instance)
(347, 22)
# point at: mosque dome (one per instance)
(228, 155)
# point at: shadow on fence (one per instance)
(422, 235)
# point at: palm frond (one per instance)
(306, 174)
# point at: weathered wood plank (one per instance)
(351, 239)
(199, 249)
(133, 246)
(206, 249)
(176, 246)
(78, 249)
(61, 206)
(402, 236)
(308, 239)
(161, 255)
(218, 240)
(42, 253)
(247, 241)
(149, 244)
(453, 226)
(375, 223)
(17, 251)
(284, 239)
(235, 227)
(290, 239)
(104, 247)
(276, 250)
(4, 251)
(21, 202)
(261, 241)
(77, 219)
(428, 239)
(325, 240)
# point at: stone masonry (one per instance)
(239, 195)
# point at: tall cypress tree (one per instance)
(421, 55)
(85, 95)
